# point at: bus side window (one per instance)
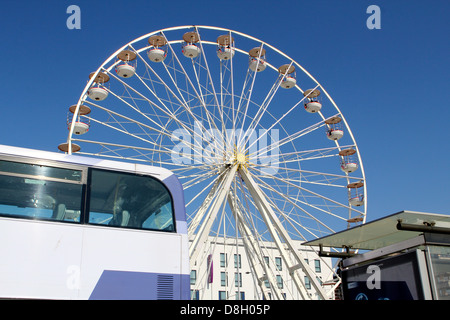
(39, 192)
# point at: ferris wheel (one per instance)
(262, 150)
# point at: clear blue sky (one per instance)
(391, 84)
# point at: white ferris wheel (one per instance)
(262, 150)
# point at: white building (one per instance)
(231, 276)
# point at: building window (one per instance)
(222, 295)
(279, 282)
(266, 259)
(237, 261)
(240, 295)
(195, 295)
(278, 263)
(223, 279)
(319, 280)
(238, 279)
(193, 277)
(223, 260)
(307, 283)
(268, 297)
(317, 265)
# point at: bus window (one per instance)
(131, 201)
(40, 192)
(11, 167)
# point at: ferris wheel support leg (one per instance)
(276, 230)
(202, 210)
(256, 260)
(203, 232)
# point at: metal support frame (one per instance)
(260, 269)
(278, 234)
(202, 234)
(346, 254)
(426, 227)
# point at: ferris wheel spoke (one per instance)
(199, 193)
(210, 81)
(293, 221)
(306, 176)
(311, 154)
(248, 96)
(232, 85)
(292, 138)
(195, 179)
(199, 96)
(283, 116)
(129, 120)
(244, 99)
(293, 201)
(164, 132)
(315, 194)
(181, 103)
(112, 150)
(265, 105)
(271, 200)
(183, 70)
(189, 111)
(142, 125)
(210, 117)
(222, 104)
(166, 111)
(124, 131)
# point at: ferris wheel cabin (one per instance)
(98, 91)
(225, 47)
(349, 161)
(257, 59)
(126, 66)
(158, 52)
(190, 48)
(65, 147)
(287, 76)
(334, 128)
(356, 194)
(81, 124)
(312, 105)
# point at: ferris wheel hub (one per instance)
(241, 159)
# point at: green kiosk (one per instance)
(404, 256)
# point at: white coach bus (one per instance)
(74, 227)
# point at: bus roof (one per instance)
(159, 172)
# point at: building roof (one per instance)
(382, 232)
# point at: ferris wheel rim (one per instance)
(130, 45)
(197, 27)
